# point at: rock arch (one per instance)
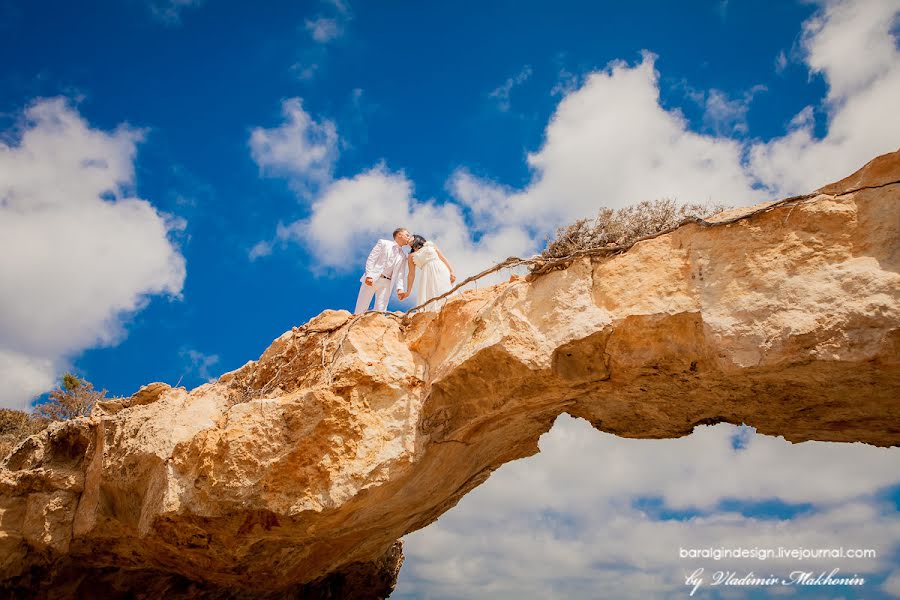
(299, 471)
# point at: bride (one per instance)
(434, 271)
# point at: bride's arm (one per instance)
(410, 277)
(446, 262)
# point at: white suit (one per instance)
(386, 266)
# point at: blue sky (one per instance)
(184, 180)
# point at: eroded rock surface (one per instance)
(294, 475)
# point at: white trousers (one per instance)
(381, 289)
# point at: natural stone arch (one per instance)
(304, 467)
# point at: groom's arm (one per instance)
(399, 274)
(372, 261)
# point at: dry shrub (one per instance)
(15, 426)
(621, 227)
(74, 398)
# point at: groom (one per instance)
(386, 264)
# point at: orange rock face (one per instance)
(298, 472)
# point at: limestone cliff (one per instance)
(297, 473)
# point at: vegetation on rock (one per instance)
(623, 226)
(75, 397)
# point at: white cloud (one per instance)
(324, 29)
(24, 377)
(300, 149)
(481, 197)
(845, 32)
(566, 83)
(565, 523)
(342, 7)
(891, 585)
(610, 143)
(852, 46)
(305, 71)
(502, 92)
(368, 205)
(260, 249)
(169, 11)
(353, 212)
(781, 62)
(78, 252)
(722, 115)
(198, 363)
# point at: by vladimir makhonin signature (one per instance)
(696, 579)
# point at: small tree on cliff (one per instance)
(75, 397)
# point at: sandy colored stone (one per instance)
(297, 473)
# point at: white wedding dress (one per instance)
(432, 277)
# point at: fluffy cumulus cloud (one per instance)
(78, 252)
(854, 47)
(372, 204)
(301, 149)
(596, 514)
(611, 143)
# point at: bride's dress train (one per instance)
(432, 277)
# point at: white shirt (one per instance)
(387, 258)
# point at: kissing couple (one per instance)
(389, 267)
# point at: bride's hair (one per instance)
(418, 242)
